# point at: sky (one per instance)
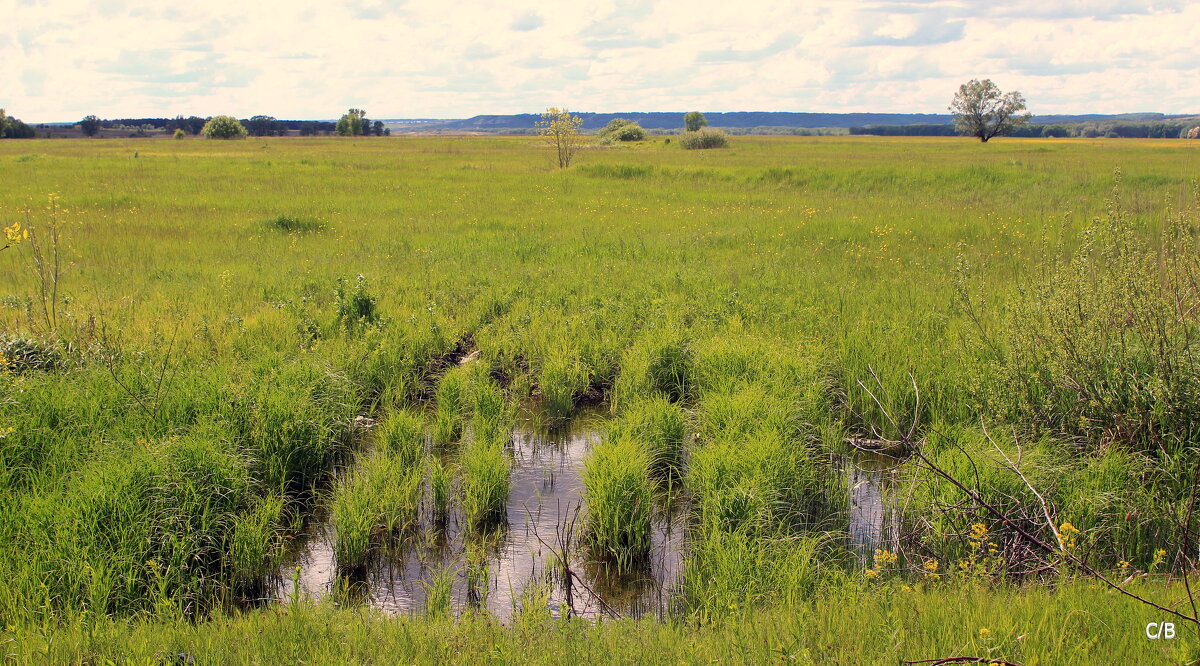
(64, 59)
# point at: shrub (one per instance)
(179, 133)
(704, 138)
(1100, 350)
(291, 224)
(358, 307)
(223, 127)
(620, 129)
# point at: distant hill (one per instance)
(747, 119)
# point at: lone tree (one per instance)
(90, 125)
(223, 127)
(694, 120)
(981, 110)
(561, 130)
(353, 123)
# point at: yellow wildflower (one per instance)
(979, 531)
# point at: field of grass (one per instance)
(187, 395)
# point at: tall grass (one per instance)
(380, 497)
(848, 625)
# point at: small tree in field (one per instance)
(561, 130)
(981, 110)
(693, 121)
(90, 125)
(223, 127)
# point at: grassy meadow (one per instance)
(194, 381)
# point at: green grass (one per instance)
(883, 626)
(198, 383)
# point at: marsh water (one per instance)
(872, 512)
(511, 566)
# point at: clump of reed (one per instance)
(452, 402)
(491, 415)
(562, 379)
(439, 489)
(380, 497)
(659, 426)
(659, 363)
(485, 468)
(402, 435)
(619, 493)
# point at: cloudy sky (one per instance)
(63, 59)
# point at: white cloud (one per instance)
(130, 58)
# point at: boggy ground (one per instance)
(185, 399)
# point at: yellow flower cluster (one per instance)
(15, 233)
(885, 558)
(1066, 536)
(979, 532)
(931, 568)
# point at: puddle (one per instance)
(873, 514)
(546, 489)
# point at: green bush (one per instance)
(704, 138)
(224, 127)
(620, 129)
(1099, 349)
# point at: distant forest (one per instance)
(256, 125)
(1131, 125)
(1178, 129)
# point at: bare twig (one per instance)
(962, 660)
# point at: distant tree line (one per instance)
(1149, 130)
(255, 126)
